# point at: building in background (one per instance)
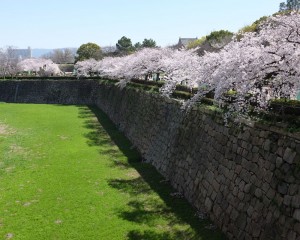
(21, 54)
(184, 42)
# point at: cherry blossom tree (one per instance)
(8, 62)
(269, 57)
(145, 63)
(44, 67)
(86, 68)
(257, 65)
(181, 67)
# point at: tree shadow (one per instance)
(97, 135)
(120, 164)
(146, 208)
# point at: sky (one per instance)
(70, 23)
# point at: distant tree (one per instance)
(254, 27)
(87, 51)
(196, 43)
(213, 42)
(42, 67)
(268, 57)
(8, 62)
(290, 5)
(69, 56)
(148, 43)
(219, 39)
(138, 45)
(61, 56)
(282, 7)
(293, 5)
(124, 44)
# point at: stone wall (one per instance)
(247, 178)
(46, 91)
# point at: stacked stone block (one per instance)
(245, 176)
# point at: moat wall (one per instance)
(247, 178)
(47, 91)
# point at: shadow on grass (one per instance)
(97, 135)
(178, 217)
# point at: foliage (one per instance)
(213, 42)
(196, 43)
(249, 28)
(285, 101)
(286, 106)
(11, 65)
(88, 51)
(124, 44)
(61, 56)
(138, 45)
(290, 5)
(148, 43)
(152, 83)
(181, 95)
(219, 39)
(39, 66)
(66, 67)
(259, 66)
(8, 62)
(254, 27)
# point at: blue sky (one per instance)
(66, 23)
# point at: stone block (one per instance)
(247, 187)
(258, 193)
(282, 188)
(241, 195)
(269, 217)
(255, 230)
(208, 204)
(217, 210)
(241, 221)
(296, 215)
(271, 194)
(291, 235)
(280, 152)
(295, 201)
(293, 189)
(265, 187)
(289, 155)
(215, 185)
(250, 211)
(234, 214)
(287, 200)
(267, 145)
(279, 161)
(297, 228)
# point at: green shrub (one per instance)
(286, 102)
(285, 106)
(181, 95)
(196, 43)
(218, 36)
(152, 83)
(254, 27)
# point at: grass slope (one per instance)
(67, 173)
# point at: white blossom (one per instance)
(258, 66)
(44, 67)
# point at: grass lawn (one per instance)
(67, 173)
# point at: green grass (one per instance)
(67, 173)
